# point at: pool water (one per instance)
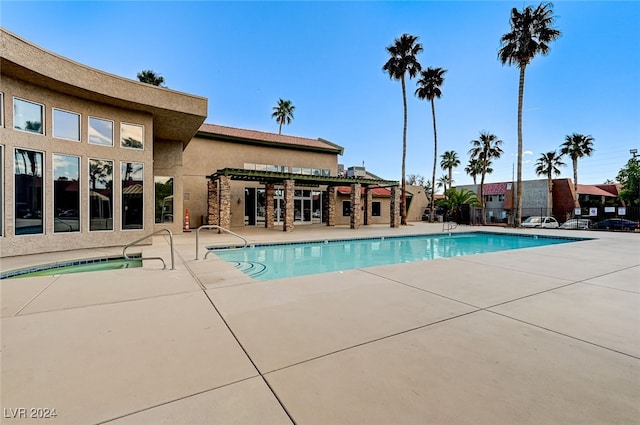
(265, 262)
(75, 267)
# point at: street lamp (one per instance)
(634, 152)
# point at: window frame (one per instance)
(122, 203)
(155, 199)
(53, 192)
(44, 194)
(373, 210)
(1, 109)
(113, 192)
(113, 131)
(346, 206)
(122, 124)
(2, 189)
(42, 113)
(53, 124)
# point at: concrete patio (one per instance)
(547, 335)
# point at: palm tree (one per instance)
(403, 60)
(474, 168)
(547, 165)
(486, 148)
(150, 77)
(531, 33)
(444, 183)
(577, 146)
(429, 88)
(449, 162)
(283, 113)
(456, 199)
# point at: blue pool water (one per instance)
(265, 262)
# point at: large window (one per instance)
(100, 194)
(100, 132)
(66, 125)
(132, 174)
(131, 136)
(376, 208)
(29, 194)
(163, 199)
(66, 193)
(28, 116)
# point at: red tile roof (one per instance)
(495, 188)
(269, 138)
(377, 191)
(587, 189)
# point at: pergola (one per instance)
(219, 198)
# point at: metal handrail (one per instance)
(215, 226)
(450, 225)
(164, 265)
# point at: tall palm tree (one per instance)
(429, 88)
(150, 77)
(547, 165)
(403, 60)
(449, 162)
(531, 33)
(283, 113)
(484, 149)
(577, 146)
(474, 169)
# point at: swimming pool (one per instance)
(274, 261)
(78, 266)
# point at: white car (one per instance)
(541, 222)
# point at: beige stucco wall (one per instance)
(203, 157)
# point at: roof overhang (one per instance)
(176, 116)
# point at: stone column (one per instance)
(331, 206)
(213, 204)
(394, 220)
(269, 189)
(368, 205)
(288, 205)
(225, 201)
(356, 208)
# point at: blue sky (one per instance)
(327, 58)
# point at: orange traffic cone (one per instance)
(186, 221)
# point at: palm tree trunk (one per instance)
(435, 158)
(519, 184)
(484, 171)
(550, 195)
(403, 200)
(280, 128)
(575, 182)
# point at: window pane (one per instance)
(100, 194)
(164, 199)
(27, 116)
(375, 209)
(132, 195)
(29, 194)
(132, 136)
(100, 132)
(66, 125)
(346, 208)
(2, 186)
(66, 193)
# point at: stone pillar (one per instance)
(213, 205)
(368, 205)
(288, 205)
(224, 193)
(268, 208)
(394, 220)
(331, 206)
(356, 208)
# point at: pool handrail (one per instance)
(164, 265)
(215, 226)
(450, 225)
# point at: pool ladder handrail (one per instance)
(164, 265)
(450, 225)
(215, 226)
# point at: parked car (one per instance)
(541, 222)
(426, 215)
(577, 224)
(617, 224)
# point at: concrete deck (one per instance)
(547, 335)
